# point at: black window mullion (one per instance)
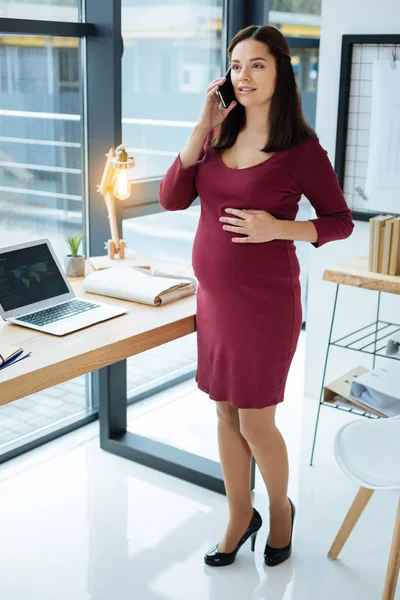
(53, 28)
(257, 13)
(103, 112)
(302, 42)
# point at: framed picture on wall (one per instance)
(367, 157)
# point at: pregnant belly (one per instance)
(222, 264)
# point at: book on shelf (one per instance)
(394, 262)
(387, 240)
(375, 241)
(371, 254)
(384, 244)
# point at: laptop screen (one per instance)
(29, 275)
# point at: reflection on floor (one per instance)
(80, 524)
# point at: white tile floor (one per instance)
(77, 523)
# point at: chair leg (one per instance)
(393, 567)
(354, 513)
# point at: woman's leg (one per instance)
(269, 450)
(235, 459)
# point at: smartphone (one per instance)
(225, 91)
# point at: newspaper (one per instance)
(138, 285)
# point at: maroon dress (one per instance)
(248, 299)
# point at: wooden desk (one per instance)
(57, 359)
(104, 348)
(373, 337)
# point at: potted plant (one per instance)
(74, 263)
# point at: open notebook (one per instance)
(10, 355)
(137, 285)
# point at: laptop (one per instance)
(35, 293)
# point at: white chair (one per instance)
(368, 451)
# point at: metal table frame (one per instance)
(110, 384)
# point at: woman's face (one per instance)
(254, 67)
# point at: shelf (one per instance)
(354, 410)
(363, 339)
(371, 339)
(356, 273)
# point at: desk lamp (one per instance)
(115, 183)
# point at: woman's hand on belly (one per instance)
(257, 225)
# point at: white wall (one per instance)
(356, 307)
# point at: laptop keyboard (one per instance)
(56, 313)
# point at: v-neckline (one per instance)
(246, 168)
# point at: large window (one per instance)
(312, 7)
(41, 187)
(296, 18)
(172, 50)
(42, 10)
(41, 169)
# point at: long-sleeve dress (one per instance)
(248, 299)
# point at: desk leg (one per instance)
(109, 385)
(324, 373)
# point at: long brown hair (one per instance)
(287, 126)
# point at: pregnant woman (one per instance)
(250, 163)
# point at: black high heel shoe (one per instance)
(276, 556)
(215, 558)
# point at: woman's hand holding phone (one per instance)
(211, 115)
(210, 118)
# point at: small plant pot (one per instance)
(74, 266)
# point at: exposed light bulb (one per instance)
(122, 185)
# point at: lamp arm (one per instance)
(106, 188)
(107, 173)
(110, 203)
